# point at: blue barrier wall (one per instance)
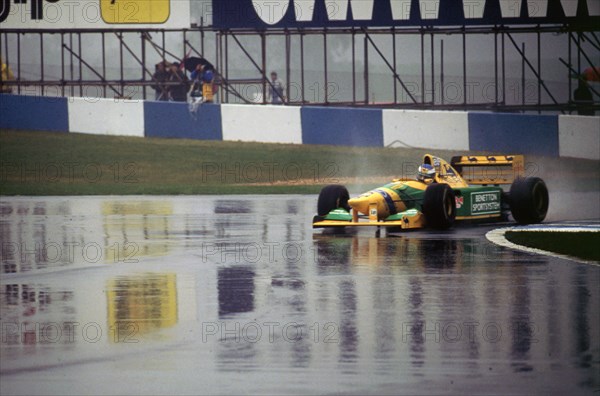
(40, 113)
(514, 133)
(174, 120)
(342, 126)
(548, 135)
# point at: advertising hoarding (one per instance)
(378, 13)
(94, 14)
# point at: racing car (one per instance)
(467, 188)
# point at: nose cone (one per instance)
(361, 204)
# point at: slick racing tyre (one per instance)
(332, 197)
(439, 206)
(529, 200)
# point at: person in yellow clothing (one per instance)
(203, 88)
(7, 75)
(207, 84)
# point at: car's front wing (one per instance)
(409, 219)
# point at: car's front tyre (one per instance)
(439, 206)
(332, 197)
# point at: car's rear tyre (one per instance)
(332, 197)
(529, 200)
(439, 206)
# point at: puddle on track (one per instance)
(145, 295)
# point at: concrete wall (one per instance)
(547, 135)
(269, 124)
(579, 137)
(106, 117)
(446, 130)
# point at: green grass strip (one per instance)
(46, 163)
(584, 245)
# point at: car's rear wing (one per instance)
(489, 169)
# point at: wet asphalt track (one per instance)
(238, 295)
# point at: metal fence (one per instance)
(375, 72)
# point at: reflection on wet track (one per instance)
(239, 295)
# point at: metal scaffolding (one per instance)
(137, 46)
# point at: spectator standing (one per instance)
(196, 77)
(177, 92)
(207, 84)
(159, 77)
(7, 75)
(196, 98)
(276, 90)
(203, 77)
(582, 96)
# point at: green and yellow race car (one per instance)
(469, 188)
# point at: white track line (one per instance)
(498, 237)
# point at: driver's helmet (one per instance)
(426, 173)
